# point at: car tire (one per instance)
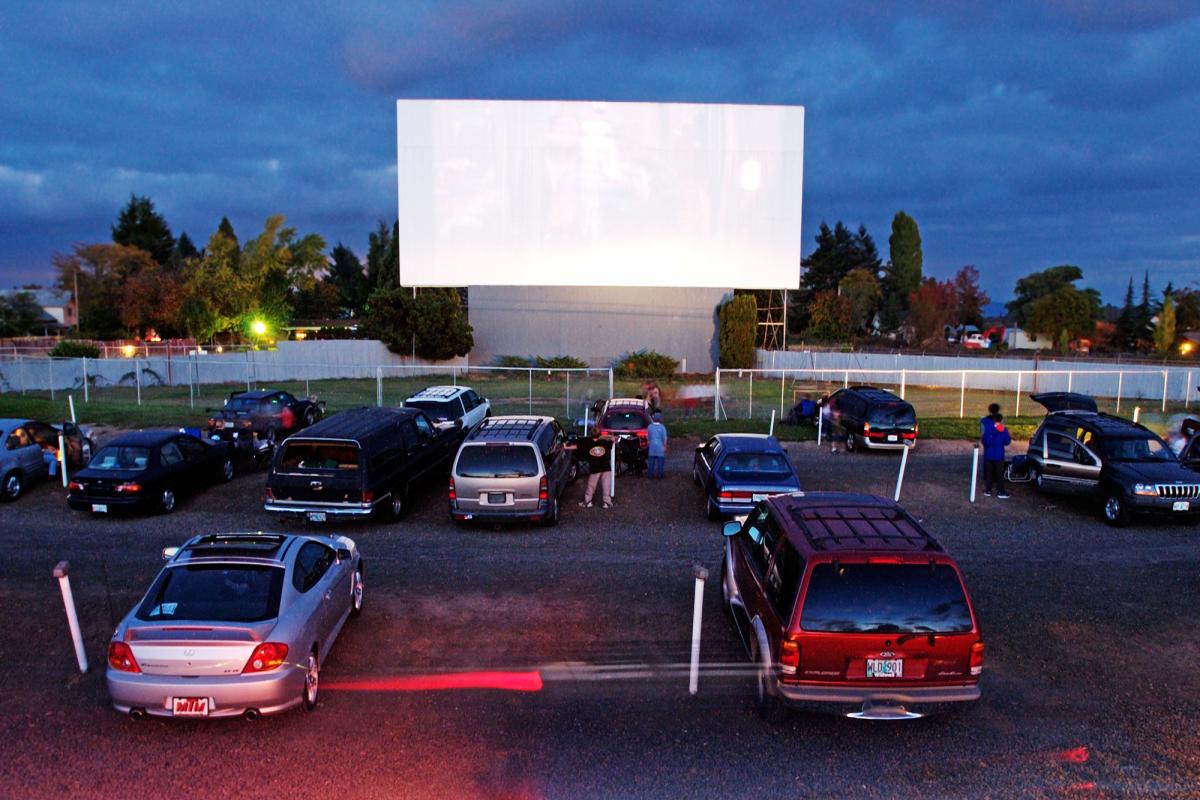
(726, 600)
(227, 470)
(551, 518)
(1115, 510)
(573, 471)
(711, 511)
(695, 475)
(768, 706)
(394, 510)
(310, 417)
(167, 500)
(356, 592)
(1038, 481)
(851, 443)
(13, 487)
(312, 681)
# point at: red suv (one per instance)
(845, 603)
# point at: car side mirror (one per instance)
(732, 528)
(343, 554)
(169, 552)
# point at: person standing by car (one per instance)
(656, 434)
(995, 438)
(599, 459)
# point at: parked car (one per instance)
(255, 421)
(358, 463)
(1125, 467)
(451, 405)
(876, 419)
(511, 468)
(627, 417)
(235, 624)
(26, 441)
(150, 471)
(738, 470)
(845, 603)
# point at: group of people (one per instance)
(598, 450)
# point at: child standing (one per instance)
(995, 438)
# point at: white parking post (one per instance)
(71, 403)
(782, 376)
(612, 473)
(137, 374)
(697, 614)
(974, 470)
(50, 368)
(1187, 390)
(751, 414)
(610, 383)
(1164, 403)
(771, 432)
(1137, 412)
(962, 396)
(716, 395)
(585, 418)
(903, 382)
(62, 458)
(1017, 412)
(820, 423)
(1120, 381)
(64, 584)
(900, 477)
(85, 381)
(379, 386)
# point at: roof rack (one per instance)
(506, 429)
(861, 527)
(247, 543)
(437, 392)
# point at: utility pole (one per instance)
(77, 301)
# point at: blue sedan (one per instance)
(737, 470)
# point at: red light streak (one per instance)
(506, 681)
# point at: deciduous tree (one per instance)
(861, 290)
(931, 308)
(829, 316)
(970, 297)
(1164, 329)
(1037, 285)
(1064, 314)
(18, 314)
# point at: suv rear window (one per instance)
(885, 598)
(893, 414)
(497, 461)
(214, 593)
(624, 421)
(336, 456)
(241, 404)
(438, 410)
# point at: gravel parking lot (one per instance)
(1089, 685)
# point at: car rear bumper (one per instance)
(85, 503)
(285, 507)
(229, 696)
(876, 444)
(498, 515)
(877, 702)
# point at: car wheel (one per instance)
(695, 476)
(1116, 513)
(725, 596)
(551, 518)
(851, 443)
(310, 417)
(312, 681)
(14, 484)
(1037, 479)
(711, 510)
(766, 703)
(269, 436)
(394, 510)
(227, 470)
(166, 501)
(573, 471)
(356, 592)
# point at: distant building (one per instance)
(1017, 339)
(58, 309)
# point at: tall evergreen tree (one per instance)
(902, 275)
(225, 228)
(383, 257)
(839, 251)
(347, 276)
(1143, 334)
(1124, 335)
(139, 225)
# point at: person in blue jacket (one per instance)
(995, 437)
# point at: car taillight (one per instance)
(867, 428)
(736, 495)
(789, 657)
(543, 490)
(368, 496)
(266, 656)
(213, 422)
(128, 488)
(120, 657)
(453, 496)
(74, 486)
(269, 494)
(977, 658)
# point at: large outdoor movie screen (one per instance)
(552, 193)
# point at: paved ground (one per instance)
(1089, 686)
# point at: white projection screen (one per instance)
(555, 193)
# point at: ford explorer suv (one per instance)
(845, 603)
(1121, 465)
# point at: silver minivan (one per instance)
(509, 469)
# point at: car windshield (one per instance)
(742, 463)
(214, 593)
(497, 461)
(885, 598)
(438, 410)
(893, 414)
(116, 457)
(624, 421)
(318, 456)
(1147, 447)
(241, 404)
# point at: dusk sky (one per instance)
(1019, 135)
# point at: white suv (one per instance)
(446, 405)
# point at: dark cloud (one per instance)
(1019, 135)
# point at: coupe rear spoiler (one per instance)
(1065, 401)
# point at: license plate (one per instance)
(893, 437)
(757, 497)
(316, 516)
(1181, 505)
(885, 667)
(99, 508)
(496, 498)
(189, 706)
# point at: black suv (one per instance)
(358, 463)
(1126, 467)
(873, 418)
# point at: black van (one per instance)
(358, 463)
(871, 418)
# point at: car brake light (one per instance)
(74, 486)
(736, 495)
(789, 657)
(120, 657)
(977, 658)
(266, 656)
(543, 490)
(212, 422)
(269, 494)
(368, 496)
(885, 560)
(867, 428)
(453, 496)
(128, 488)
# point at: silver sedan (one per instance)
(235, 624)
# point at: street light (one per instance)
(259, 327)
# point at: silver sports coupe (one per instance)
(235, 624)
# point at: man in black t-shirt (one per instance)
(598, 450)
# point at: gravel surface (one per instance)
(1089, 686)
